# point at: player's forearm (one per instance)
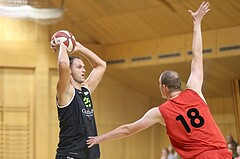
(197, 40)
(92, 57)
(120, 132)
(63, 56)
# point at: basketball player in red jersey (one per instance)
(195, 134)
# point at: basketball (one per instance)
(65, 37)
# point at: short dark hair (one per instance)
(71, 58)
(171, 79)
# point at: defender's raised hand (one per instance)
(202, 10)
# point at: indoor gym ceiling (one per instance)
(106, 22)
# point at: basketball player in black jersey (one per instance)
(74, 104)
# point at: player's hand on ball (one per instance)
(78, 47)
(54, 44)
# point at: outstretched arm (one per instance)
(151, 117)
(99, 67)
(195, 80)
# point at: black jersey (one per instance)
(77, 122)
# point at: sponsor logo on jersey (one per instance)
(87, 112)
(86, 93)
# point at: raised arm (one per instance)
(99, 67)
(64, 88)
(151, 117)
(195, 80)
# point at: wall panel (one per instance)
(24, 72)
(53, 117)
(223, 114)
(16, 109)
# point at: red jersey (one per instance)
(190, 125)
